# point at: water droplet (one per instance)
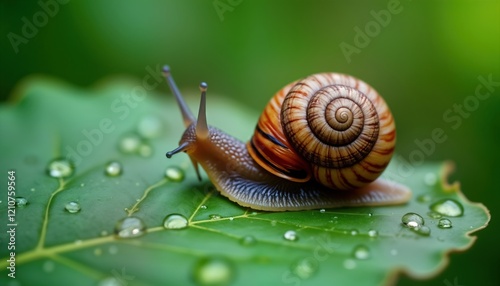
(354, 232)
(72, 207)
(113, 249)
(82, 185)
(370, 214)
(32, 189)
(175, 221)
(430, 179)
(290, 235)
(322, 210)
(60, 168)
(97, 252)
(213, 271)
(214, 216)
(305, 268)
(174, 174)
(203, 207)
(422, 230)
(425, 198)
(21, 201)
(448, 207)
(130, 227)
(104, 233)
(433, 214)
(129, 143)
(412, 220)
(114, 169)
(110, 281)
(149, 127)
(444, 223)
(349, 264)
(248, 240)
(361, 252)
(145, 150)
(372, 233)
(231, 218)
(48, 266)
(394, 252)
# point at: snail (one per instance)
(288, 164)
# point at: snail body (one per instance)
(291, 165)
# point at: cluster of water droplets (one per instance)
(416, 223)
(138, 142)
(130, 227)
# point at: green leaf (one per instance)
(223, 242)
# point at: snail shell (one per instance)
(272, 172)
(331, 127)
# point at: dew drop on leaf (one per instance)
(422, 230)
(60, 168)
(305, 268)
(175, 221)
(130, 227)
(213, 271)
(72, 207)
(290, 235)
(113, 249)
(372, 233)
(354, 232)
(214, 216)
(412, 220)
(129, 144)
(361, 252)
(322, 210)
(113, 169)
(203, 207)
(175, 174)
(149, 127)
(145, 150)
(448, 207)
(444, 223)
(21, 201)
(248, 240)
(349, 264)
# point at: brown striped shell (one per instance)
(331, 127)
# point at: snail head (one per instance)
(196, 129)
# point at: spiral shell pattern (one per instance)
(341, 126)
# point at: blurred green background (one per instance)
(424, 58)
